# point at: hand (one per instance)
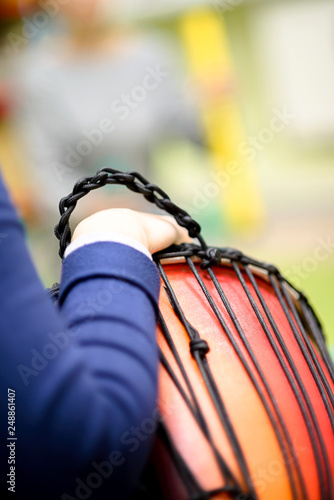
(155, 232)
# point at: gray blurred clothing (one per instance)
(64, 103)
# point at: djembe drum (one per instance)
(246, 382)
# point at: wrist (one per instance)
(98, 237)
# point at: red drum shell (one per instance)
(266, 461)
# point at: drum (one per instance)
(246, 383)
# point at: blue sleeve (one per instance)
(84, 375)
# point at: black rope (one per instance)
(264, 381)
(227, 474)
(192, 485)
(200, 358)
(304, 402)
(53, 292)
(310, 358)
(320, 441)
(195, 490)
(194, 407)
(133, 181)
(318, 379)
(278, 355)
(246, 366)
(318, 336)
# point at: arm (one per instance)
(85, 377)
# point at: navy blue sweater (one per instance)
(84, 374)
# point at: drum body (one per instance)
(246, 387)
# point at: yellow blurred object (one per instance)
(14, 174)
(207, 50)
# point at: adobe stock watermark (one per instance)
(248, 149)
(223, 6)
(121, 109)
(100, 472)
(280, 120)
(269, 474)
(322, 252)
(58, 342)
(131, 441)
(32, 26)
(202, 197)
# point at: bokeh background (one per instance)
(228, 105)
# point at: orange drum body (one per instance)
(247, 405)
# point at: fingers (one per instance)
(162, 231)
(182, 235)
(155, 232)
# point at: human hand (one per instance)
(155, 232)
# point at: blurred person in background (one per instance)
(94, 93)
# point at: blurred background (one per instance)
(228, 105)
